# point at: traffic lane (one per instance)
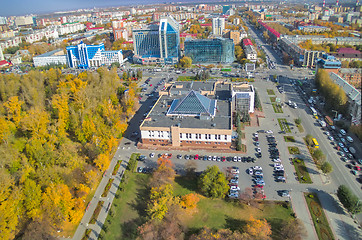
(340, 173)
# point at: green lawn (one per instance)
(301, 170)
(127, 212)
(187, 78)
(220, 213)
(270, 92)
(320, 221)
(127, 208)
(277, 108)
(283, 124)
(289, 139)
(293, 150)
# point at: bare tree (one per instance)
(293, 230)
(246, 196)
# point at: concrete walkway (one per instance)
(120, 154)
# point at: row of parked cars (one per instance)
(279, 173)
(233, 174)
(258, 178)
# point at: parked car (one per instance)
(349, 139)
(284, 193)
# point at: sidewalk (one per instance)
(96, 228)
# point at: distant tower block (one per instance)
(337, 3)
(324, 3)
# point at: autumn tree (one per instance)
(160, 200)
(212, 183)
(164, 174)
(185, 62)
(258, 228)
(32, 199)
(13, 109)
(190, 200)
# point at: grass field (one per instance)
(320, 221)
(270, 92)
(283, 124)
(293, 150)
(128, 210)
(289, 139)
(187, 78)
(277, 108)
(301, 170)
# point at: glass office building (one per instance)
(159, 42)
(85, 56)
(217, 50)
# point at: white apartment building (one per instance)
(1, 54)
(68, 28)
(218, 26)
(54, 57)
(38, 35)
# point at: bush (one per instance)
(348, 199)
(327, 167)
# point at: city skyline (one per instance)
(22, 7)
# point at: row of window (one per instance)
(199, 136)
(159, 134)
(197, 142)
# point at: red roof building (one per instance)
(4, 63)
(270, 30)
(247, 41)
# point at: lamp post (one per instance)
(335, 117)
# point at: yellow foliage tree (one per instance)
(91, 178)
(36, 123)
(258, 229)
(13, 109)
(102, 162)
(61, 109)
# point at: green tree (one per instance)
(298, 121)
(32, 199)
(327, 167)
(212, 183)
(185, 62)
(349, 200)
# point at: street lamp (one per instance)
(335, 117)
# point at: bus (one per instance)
(315, 143)
(313, 111)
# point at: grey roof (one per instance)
(157, 117)
(51, 53)
(193, 104)
(181, 88)
(352, 93)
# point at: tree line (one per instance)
(57, 133)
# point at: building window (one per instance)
(197, 136)
(215, 136)
(209, 136)
(226, 137)
(180, 135)
(219, 137)
(206, 136)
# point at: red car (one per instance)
(259, 186)
(223, 159)
(358, 168)
(169, 155)
(196, 156)
(150, 85)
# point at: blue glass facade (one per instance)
(85, 56)
(217, 50)
(161, 41)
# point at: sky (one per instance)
(23, 7)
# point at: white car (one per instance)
(239, 159)
(349, 139)
(250, 171)
(269, 132)
(235, 158)
(234, 171)
(258, 150)
(279, 168)
(257, 168)
(258, 173)
(209, 158)
(327, 133)
(256, 135)
(278, 164)
(152, 155)
(277, 160)
(234, 188)
(214, 158)
(343, 132)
